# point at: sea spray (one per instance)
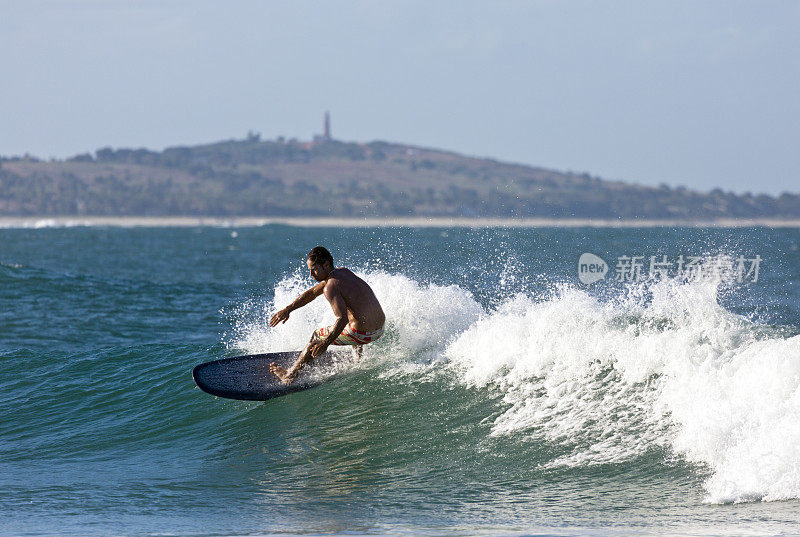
(569, 372)
(656, 367)
(737, 410)
(668, 368)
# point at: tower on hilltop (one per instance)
(326, 130)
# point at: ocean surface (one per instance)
(507, 397)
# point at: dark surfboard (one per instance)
(249, 378)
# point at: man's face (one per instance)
(318, 272)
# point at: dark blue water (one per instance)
(506, 397)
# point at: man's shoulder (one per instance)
(339, 279)
(340, 273)
(332, 282)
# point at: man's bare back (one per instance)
(364, 312)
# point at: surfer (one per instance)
(359, 316)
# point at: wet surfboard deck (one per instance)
(249, 378)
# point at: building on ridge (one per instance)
(326, 130)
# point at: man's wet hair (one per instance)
(320, 254)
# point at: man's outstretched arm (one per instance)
(299, 302)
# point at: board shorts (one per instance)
(349, 336)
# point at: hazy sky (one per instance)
(699, 93)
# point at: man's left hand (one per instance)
(319, 348)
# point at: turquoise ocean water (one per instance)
(507, 397)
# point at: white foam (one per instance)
(738, 411)
(661, 366)
(569, 371)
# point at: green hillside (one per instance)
(252, 177)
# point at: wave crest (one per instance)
(659, 367)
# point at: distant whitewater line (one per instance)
(34, 222)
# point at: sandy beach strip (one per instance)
(34, 222)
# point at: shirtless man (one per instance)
(359, 317)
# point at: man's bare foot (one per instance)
(281, 372)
